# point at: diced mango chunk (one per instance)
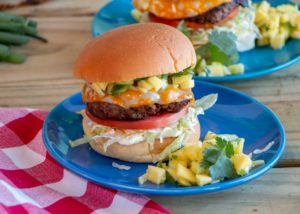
(194, 167)
(193, 152)
(216, 70)
(155, 82)
(295, 34)
(187, 85)
(261, 17)
(236, 68)
(184, 182)
(242, 163)
(174, 162)
(185, 173)
(240, 146)
(173, 173)
(277, 24)
(264, 6)
(144, 85)
(179, 155)
(202, 180)
(181, 79)
(156, 175)
(278, 41)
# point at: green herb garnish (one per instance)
(217, 160)
(221, 47)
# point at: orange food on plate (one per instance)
(172, 9)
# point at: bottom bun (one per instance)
(139, 152)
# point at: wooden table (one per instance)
(46, 78)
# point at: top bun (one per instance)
(135, 51)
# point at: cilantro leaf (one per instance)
(224, 40)
(211, 155)
(221, 47)
(229, 150)
(217, 160)
(222, 143)
(223, 168)
(205, 164)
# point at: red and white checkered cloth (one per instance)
(32, 182)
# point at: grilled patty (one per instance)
(104, 110)
(217, 14)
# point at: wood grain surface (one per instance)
(46, 79)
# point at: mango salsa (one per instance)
(217, 158)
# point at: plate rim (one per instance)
(173, 190)
(230, 78)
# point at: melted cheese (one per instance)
(169, 94)
(177, 9)
(117, 100)
(136, 98)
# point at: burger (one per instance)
(138, 93)
(234, 16)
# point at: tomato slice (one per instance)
(171, 22)
(154, 122)
(190, 24)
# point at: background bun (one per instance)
(135, 51)
(139, 152)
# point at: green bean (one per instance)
(32, 23)
(14, 39)
(38, 37)
(12, 57)
(8, 56)
(30, 30)
(21, 29)
(6, 17)
(17, 28)
(4, 50)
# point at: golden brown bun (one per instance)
(135, 51)
(139, 152)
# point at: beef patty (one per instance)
(217, 14)
(104, 110)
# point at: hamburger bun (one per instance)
(139, 152)
(135, 51)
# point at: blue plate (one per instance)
(258, 62)
(234, 113)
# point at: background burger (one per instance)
(139, 102)
(235, 16)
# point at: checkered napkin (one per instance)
(32, 182)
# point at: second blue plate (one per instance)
(258, 61)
